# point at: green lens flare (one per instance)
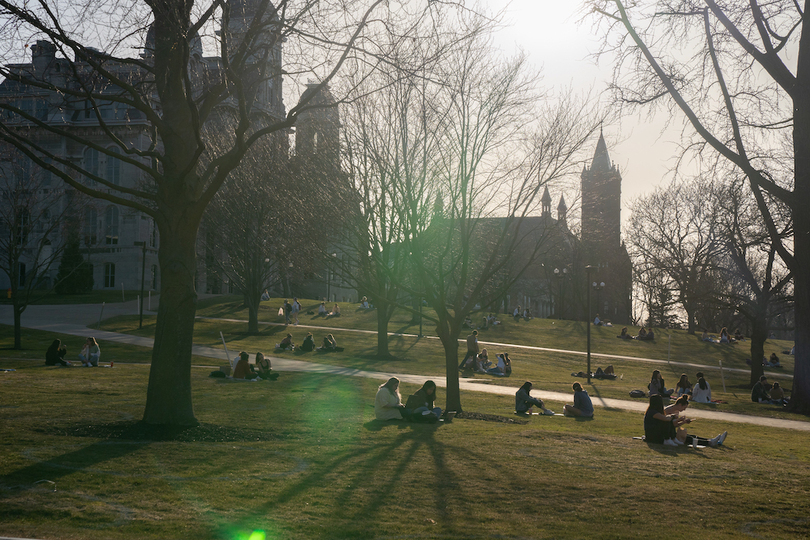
(257, 535)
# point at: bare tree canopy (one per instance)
(739, 73)
(141, 83)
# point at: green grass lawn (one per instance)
(303, 458)
(547, 370)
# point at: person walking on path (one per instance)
(472, 351)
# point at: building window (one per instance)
(113, 168)
(153, 234)
(90, 162)
(109, 275)
(23, 223)
(154, 277)
(90, 227)
(42, 109)
(111, 226)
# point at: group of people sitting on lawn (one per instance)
(479, 361)
(643, 334)
(724, 336)
(89, 355)
(308, 345)
(262, 369)
(420, 406)
(665, 425)
(700, 392)
(764, 392)
(525, 313)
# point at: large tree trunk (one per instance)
(800, 398)
(168, 397)
(450, 344)
(759, 333)
(253, 314)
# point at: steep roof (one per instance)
(601, 159)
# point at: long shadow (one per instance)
(75, 461)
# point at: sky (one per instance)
(550, 32)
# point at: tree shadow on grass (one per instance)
(81, 460)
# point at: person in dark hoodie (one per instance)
(420, 405)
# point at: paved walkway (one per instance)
(73, 319)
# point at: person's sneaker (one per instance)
(670, 442)
(679, 442)
(548, 412)
(722, 437)
(714, 441)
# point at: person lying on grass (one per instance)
(524, 402)
(420, 405)
(388, 402)
(582, 403)
(265, 368)
(681, 436)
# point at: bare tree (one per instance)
(739, 72)
(673, 232)
(171, 95)
(758, 282)
(32, 222)
(469, 202)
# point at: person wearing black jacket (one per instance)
(420, 405)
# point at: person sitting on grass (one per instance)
(702, 392)
(420, 405)
(724, 337)
(778, 395)
(759, 392)
(482, 363)
(624, 334)
(504, 366)
(597, 321)
(642, 333)
(683, 387)
(91, 353)
(657, 385)
(524, 401)
(286, 343)
(738, 335)
(659, 428)
(55, 355)
(335, 311)
(582, 403)
(773, 361)
(265, 368)
(243, 369)
(322, 310)
(388, 402)
(681, 435)
(706, 336)
(309, 343)
(329, 343)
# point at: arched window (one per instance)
(111, 225)
(113, 167)
(90, 161)
(90, 227)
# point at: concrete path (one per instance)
(72, 320)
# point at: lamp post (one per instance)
(588, 322)
(597, 287)
(143, 273)
(561, 275)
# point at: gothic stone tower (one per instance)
(601, 236)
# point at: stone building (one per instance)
(116, 239)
